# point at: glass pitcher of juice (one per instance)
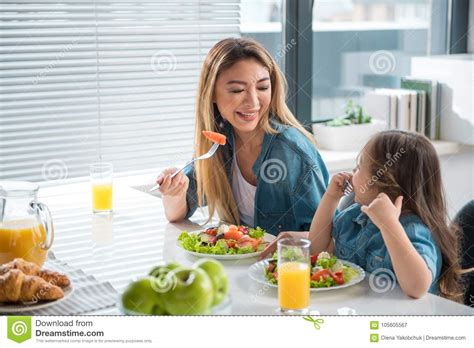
(26, 226)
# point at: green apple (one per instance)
(192, 293)
(163, 269)
(163, 280)
(216, 272)
(140, 297)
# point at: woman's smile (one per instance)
(247, 115)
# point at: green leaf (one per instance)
(256, 232)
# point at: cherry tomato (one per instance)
(211, 231)
(321, 274)
(248, 241)
(231, 243)
(233, 234)
(338, 278)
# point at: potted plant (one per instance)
(349, 132)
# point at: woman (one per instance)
(269, 174)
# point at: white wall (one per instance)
(454, 73)
(458, 178)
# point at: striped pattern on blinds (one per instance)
(105, 80)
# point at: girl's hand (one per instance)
(270, 249)
(178, 186)
(382, 211)
(336, 185)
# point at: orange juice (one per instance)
(102, 197)
(293, 285)
(22, 238)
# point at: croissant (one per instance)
(30, 268)
(15, 286)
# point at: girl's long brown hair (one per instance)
(213, 187)
(406, 164)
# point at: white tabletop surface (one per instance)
(137, 236)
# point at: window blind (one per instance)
(108, 80)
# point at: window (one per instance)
(360, 44)
(262, 21)
(109, 80)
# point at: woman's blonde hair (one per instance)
(213, 186)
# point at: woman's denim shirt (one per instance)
(291, 179)
(357, 239)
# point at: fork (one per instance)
(347, 188)
(207, 155)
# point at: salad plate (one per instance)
(225, 242)
(327, 272)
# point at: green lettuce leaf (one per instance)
(256, 232)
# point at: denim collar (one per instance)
(362, 219)
(267, 141)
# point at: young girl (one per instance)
(399, 220)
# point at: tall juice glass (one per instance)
(101, 181)
(294, 270)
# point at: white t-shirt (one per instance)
(244, 194)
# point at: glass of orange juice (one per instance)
(101, 180)
(294, 270)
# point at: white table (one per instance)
(137, 236)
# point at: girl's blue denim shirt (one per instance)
(291, 179)
(358, 240)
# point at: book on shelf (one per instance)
(432, 112)
(412, 107)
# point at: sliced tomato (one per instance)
(211, 231)
(314, 258)
(338, 278)
(248, 241)
(217, 138)
(233, 228)
(271, 267)
(231, 243)
(233, 234)
(322, 274)
(243, 229)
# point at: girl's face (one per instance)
(243, 94)
(364, 189)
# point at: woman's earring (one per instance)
(219, 119)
